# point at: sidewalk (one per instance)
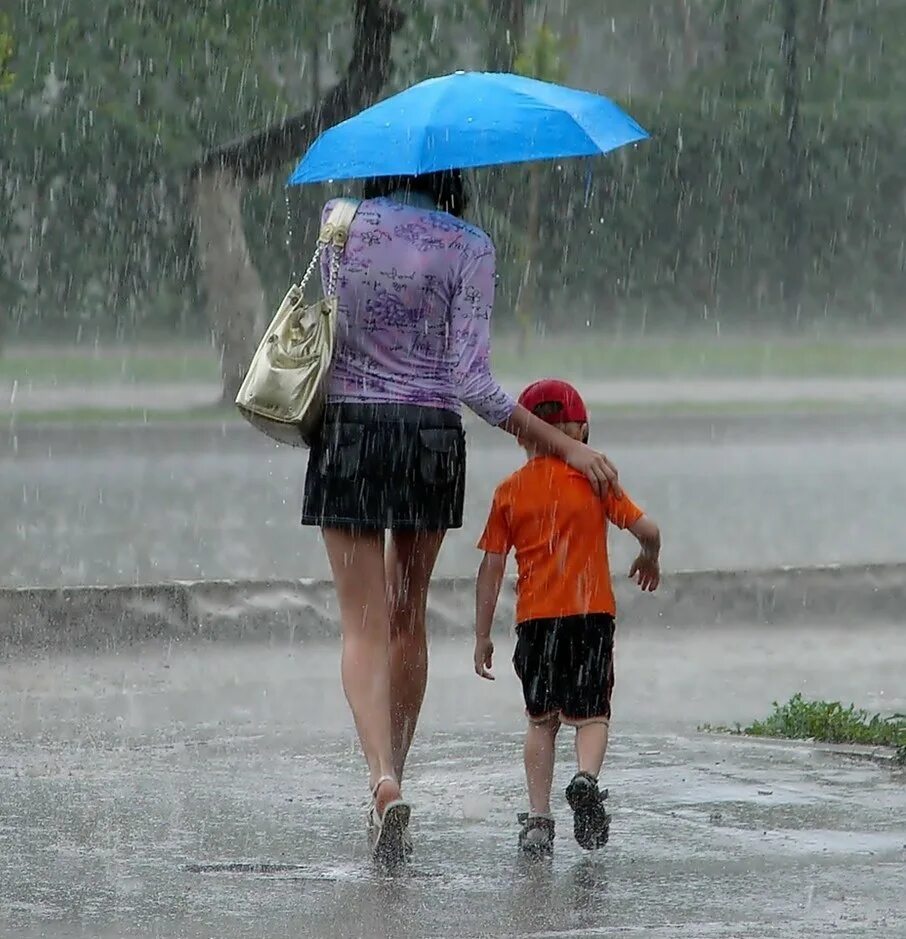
(197, 790)
(174, 397)
(849, 391)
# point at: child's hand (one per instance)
(484, 654)
(646, 572)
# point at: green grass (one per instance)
(830, 722)
(827, 722)
(109, 366)
(600, 357)
(594, 356)
(708, 728)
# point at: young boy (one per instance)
(565, 610)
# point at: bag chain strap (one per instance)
(333, 273)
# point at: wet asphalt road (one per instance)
(214, 790)
(104, 506)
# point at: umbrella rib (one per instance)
(516, 91)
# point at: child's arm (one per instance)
(487, 592)
(646, 570)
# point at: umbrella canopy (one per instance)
(467, 119)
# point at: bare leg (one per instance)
(540, 747)
(591, 745)
(410, 561)
(357, 562)
(591, 823)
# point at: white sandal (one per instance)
(388, 834)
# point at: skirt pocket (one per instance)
(440, 453)
(342, 448)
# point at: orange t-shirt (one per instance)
(550, 514)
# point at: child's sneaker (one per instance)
(591, 824)
(537, 835)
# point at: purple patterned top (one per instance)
(416, 290)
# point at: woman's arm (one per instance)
(471, 324)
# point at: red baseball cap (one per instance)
(572, 407)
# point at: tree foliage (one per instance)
(6, 54)
(695, 224)
(113, 102)
(116, 103)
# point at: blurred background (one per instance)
(742, 268)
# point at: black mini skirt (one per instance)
(386, 466)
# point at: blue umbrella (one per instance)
(467, 119)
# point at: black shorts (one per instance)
(566, 666)
(386, 466)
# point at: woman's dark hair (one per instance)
(446, 188)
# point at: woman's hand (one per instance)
(547, 438)
(601, 473)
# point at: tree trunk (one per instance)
(507, 24)
(731, 32)
(822, 31)
(315, 54)
(690, 41)
(376, 21)
(234, 296)
(793, 280)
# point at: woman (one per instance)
(416, 289)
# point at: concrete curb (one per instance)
(866, 753)
(47, 440)
(104, 617)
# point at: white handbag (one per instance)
(283, 392)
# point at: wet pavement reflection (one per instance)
(211, 789)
